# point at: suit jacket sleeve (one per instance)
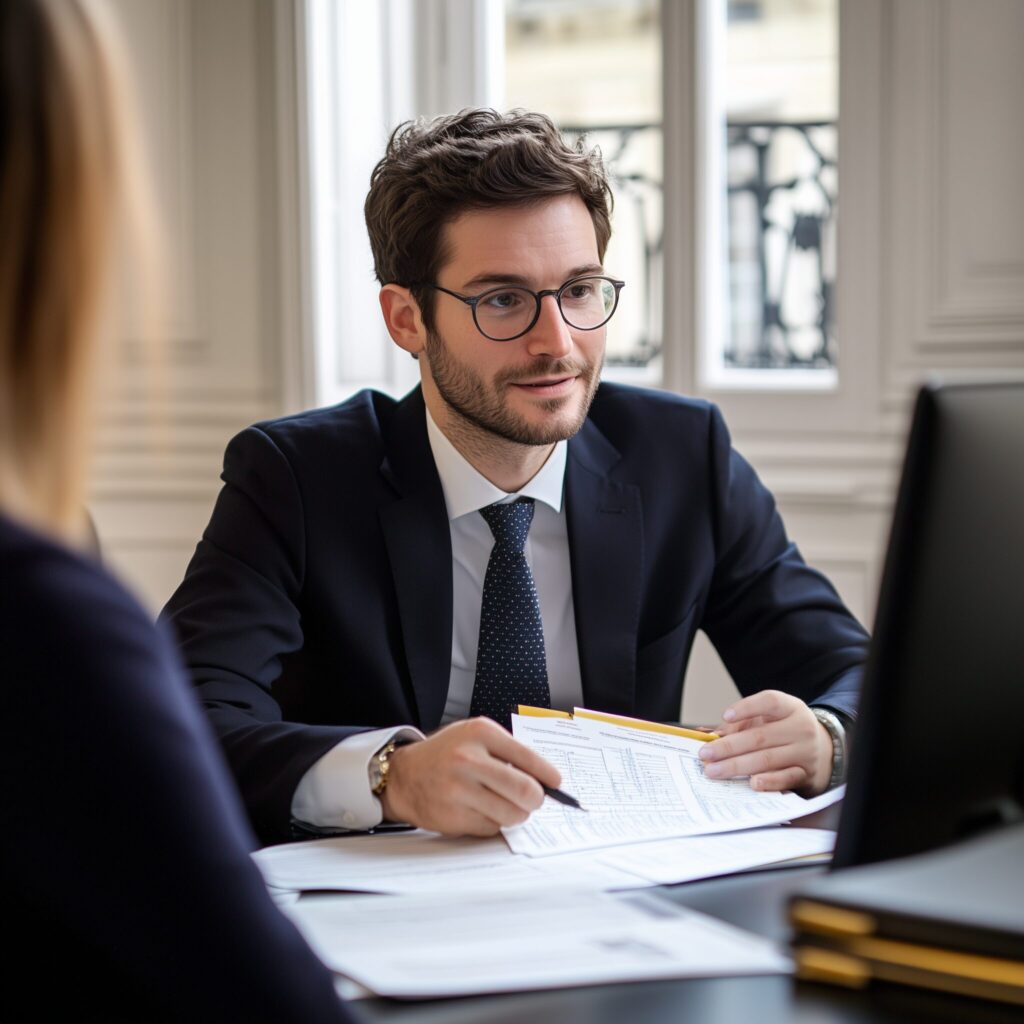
(237, 615)
(776, 622)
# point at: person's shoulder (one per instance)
(55, 601)
(355, 431)
(366, 414)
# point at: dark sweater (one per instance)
(126, 879)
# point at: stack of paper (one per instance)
(445, 945)
(424, 862)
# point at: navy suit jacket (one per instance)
(126, 876)
(319, 600)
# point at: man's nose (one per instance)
(550, 335)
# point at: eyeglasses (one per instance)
(507, 313)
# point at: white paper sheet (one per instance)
(424, 862)
(667, 861)
(442, 945)
(636, 786)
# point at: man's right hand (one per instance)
(469, 778)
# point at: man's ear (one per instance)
(403, 318)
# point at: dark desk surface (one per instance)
(753, 901)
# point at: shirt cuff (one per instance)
(335, 791)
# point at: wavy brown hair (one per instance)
(434, 170)
(67, 168)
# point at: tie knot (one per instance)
(510, 523)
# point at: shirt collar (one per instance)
(466, 490)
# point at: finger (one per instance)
(729, 728)
(505, 748)
(511, 784)
(490, 805)
(793, 777)
(771, 704)
(743, 741)
(798, 728)
(756, 762)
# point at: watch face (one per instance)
(379, 768)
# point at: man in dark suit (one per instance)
(507, 532)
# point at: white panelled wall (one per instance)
(931, 273)
(208, 102)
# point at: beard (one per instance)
(485, 405)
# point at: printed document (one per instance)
(668, 861)
(636, 785)
(425, 862)
(446, 945)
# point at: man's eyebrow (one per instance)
(518, 281)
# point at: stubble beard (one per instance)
(481, 405)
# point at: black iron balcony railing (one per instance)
(637, 187)
(782, 188)
(782, 195)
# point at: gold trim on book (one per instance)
(814, 964)
(858, 964)
(830, 920)
(995, 970)
(909, 963)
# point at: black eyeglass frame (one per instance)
(473, 300)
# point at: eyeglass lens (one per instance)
(586, 303)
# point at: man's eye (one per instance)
(502, 300)
(581, 291)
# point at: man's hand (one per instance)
(775, 739)
(469, 778)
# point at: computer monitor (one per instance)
(938, 751)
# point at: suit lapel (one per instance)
(418, 542)
(606, 554)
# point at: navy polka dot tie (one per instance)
(510, 665)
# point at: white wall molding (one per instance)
(214, 126)
(983, 294)
(956, 231)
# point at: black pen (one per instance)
(562, 798)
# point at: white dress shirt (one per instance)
(335, 791)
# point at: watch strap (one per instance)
(837, 732)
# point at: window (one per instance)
(771, 164)
(594, 66)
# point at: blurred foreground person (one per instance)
(125, 873)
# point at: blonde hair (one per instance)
(69, 171)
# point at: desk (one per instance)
(754, 901)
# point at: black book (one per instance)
(951, 919)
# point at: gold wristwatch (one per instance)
(380, 765)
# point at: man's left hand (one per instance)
(775, 739)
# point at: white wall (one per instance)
(209, 102)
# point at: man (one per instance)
(506, 532)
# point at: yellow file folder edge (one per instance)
(632, 723)
(849, 954)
